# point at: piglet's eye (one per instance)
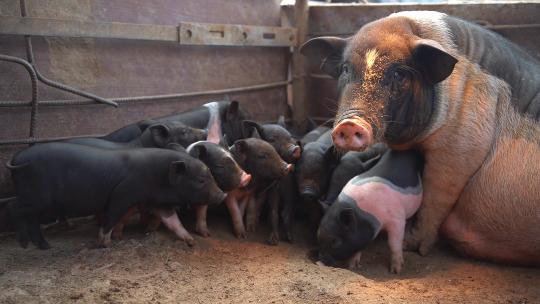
(345, 68)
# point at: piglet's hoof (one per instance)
(240, 233)
(288, 237)
(190, 241)
(396, 265)
(251, 227)
(117, 234)
(273, 239)
(202, 230)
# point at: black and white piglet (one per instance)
(382, 198)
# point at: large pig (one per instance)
(466, 98)
(77, 180)
(382, 198)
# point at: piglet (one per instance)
(259, 159)
(382, 198)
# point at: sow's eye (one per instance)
(399, 76)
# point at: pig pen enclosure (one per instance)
(64, 63)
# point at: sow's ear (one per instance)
(347, 218)
(432, 60)
(176, 171)
(327, 51)
(159, 134)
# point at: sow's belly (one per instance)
(497, 215)
(383, 199)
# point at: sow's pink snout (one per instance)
(352, 134)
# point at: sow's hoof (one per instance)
(415, 241)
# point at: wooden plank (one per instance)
(300, 106)
(189, 33)
(86, 29)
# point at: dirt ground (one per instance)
(157, 268)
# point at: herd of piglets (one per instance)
(201, 158)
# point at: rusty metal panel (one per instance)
(192, 33)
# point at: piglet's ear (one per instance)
(347, 218)
(324, 205)
(224, 141)
(281, 121)
(232, 111)
(159, 134)
(432, 60)
(241, 146)
(198, 151)
(252, 129)
(176, 170)
(327, 52)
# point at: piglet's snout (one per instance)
(287, 168)
(245, 179)
(352, 134)
(295, 152)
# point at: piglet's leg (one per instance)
(170, 219)
(242, 204)
(251, 215)
(273, 215)
(118, 230)
(354, 261)
(396, 231)
(201, 226)
(236, 216)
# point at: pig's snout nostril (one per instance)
(352, 134)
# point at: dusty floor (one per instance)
(157, 268)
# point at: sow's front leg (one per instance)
(444, 178)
